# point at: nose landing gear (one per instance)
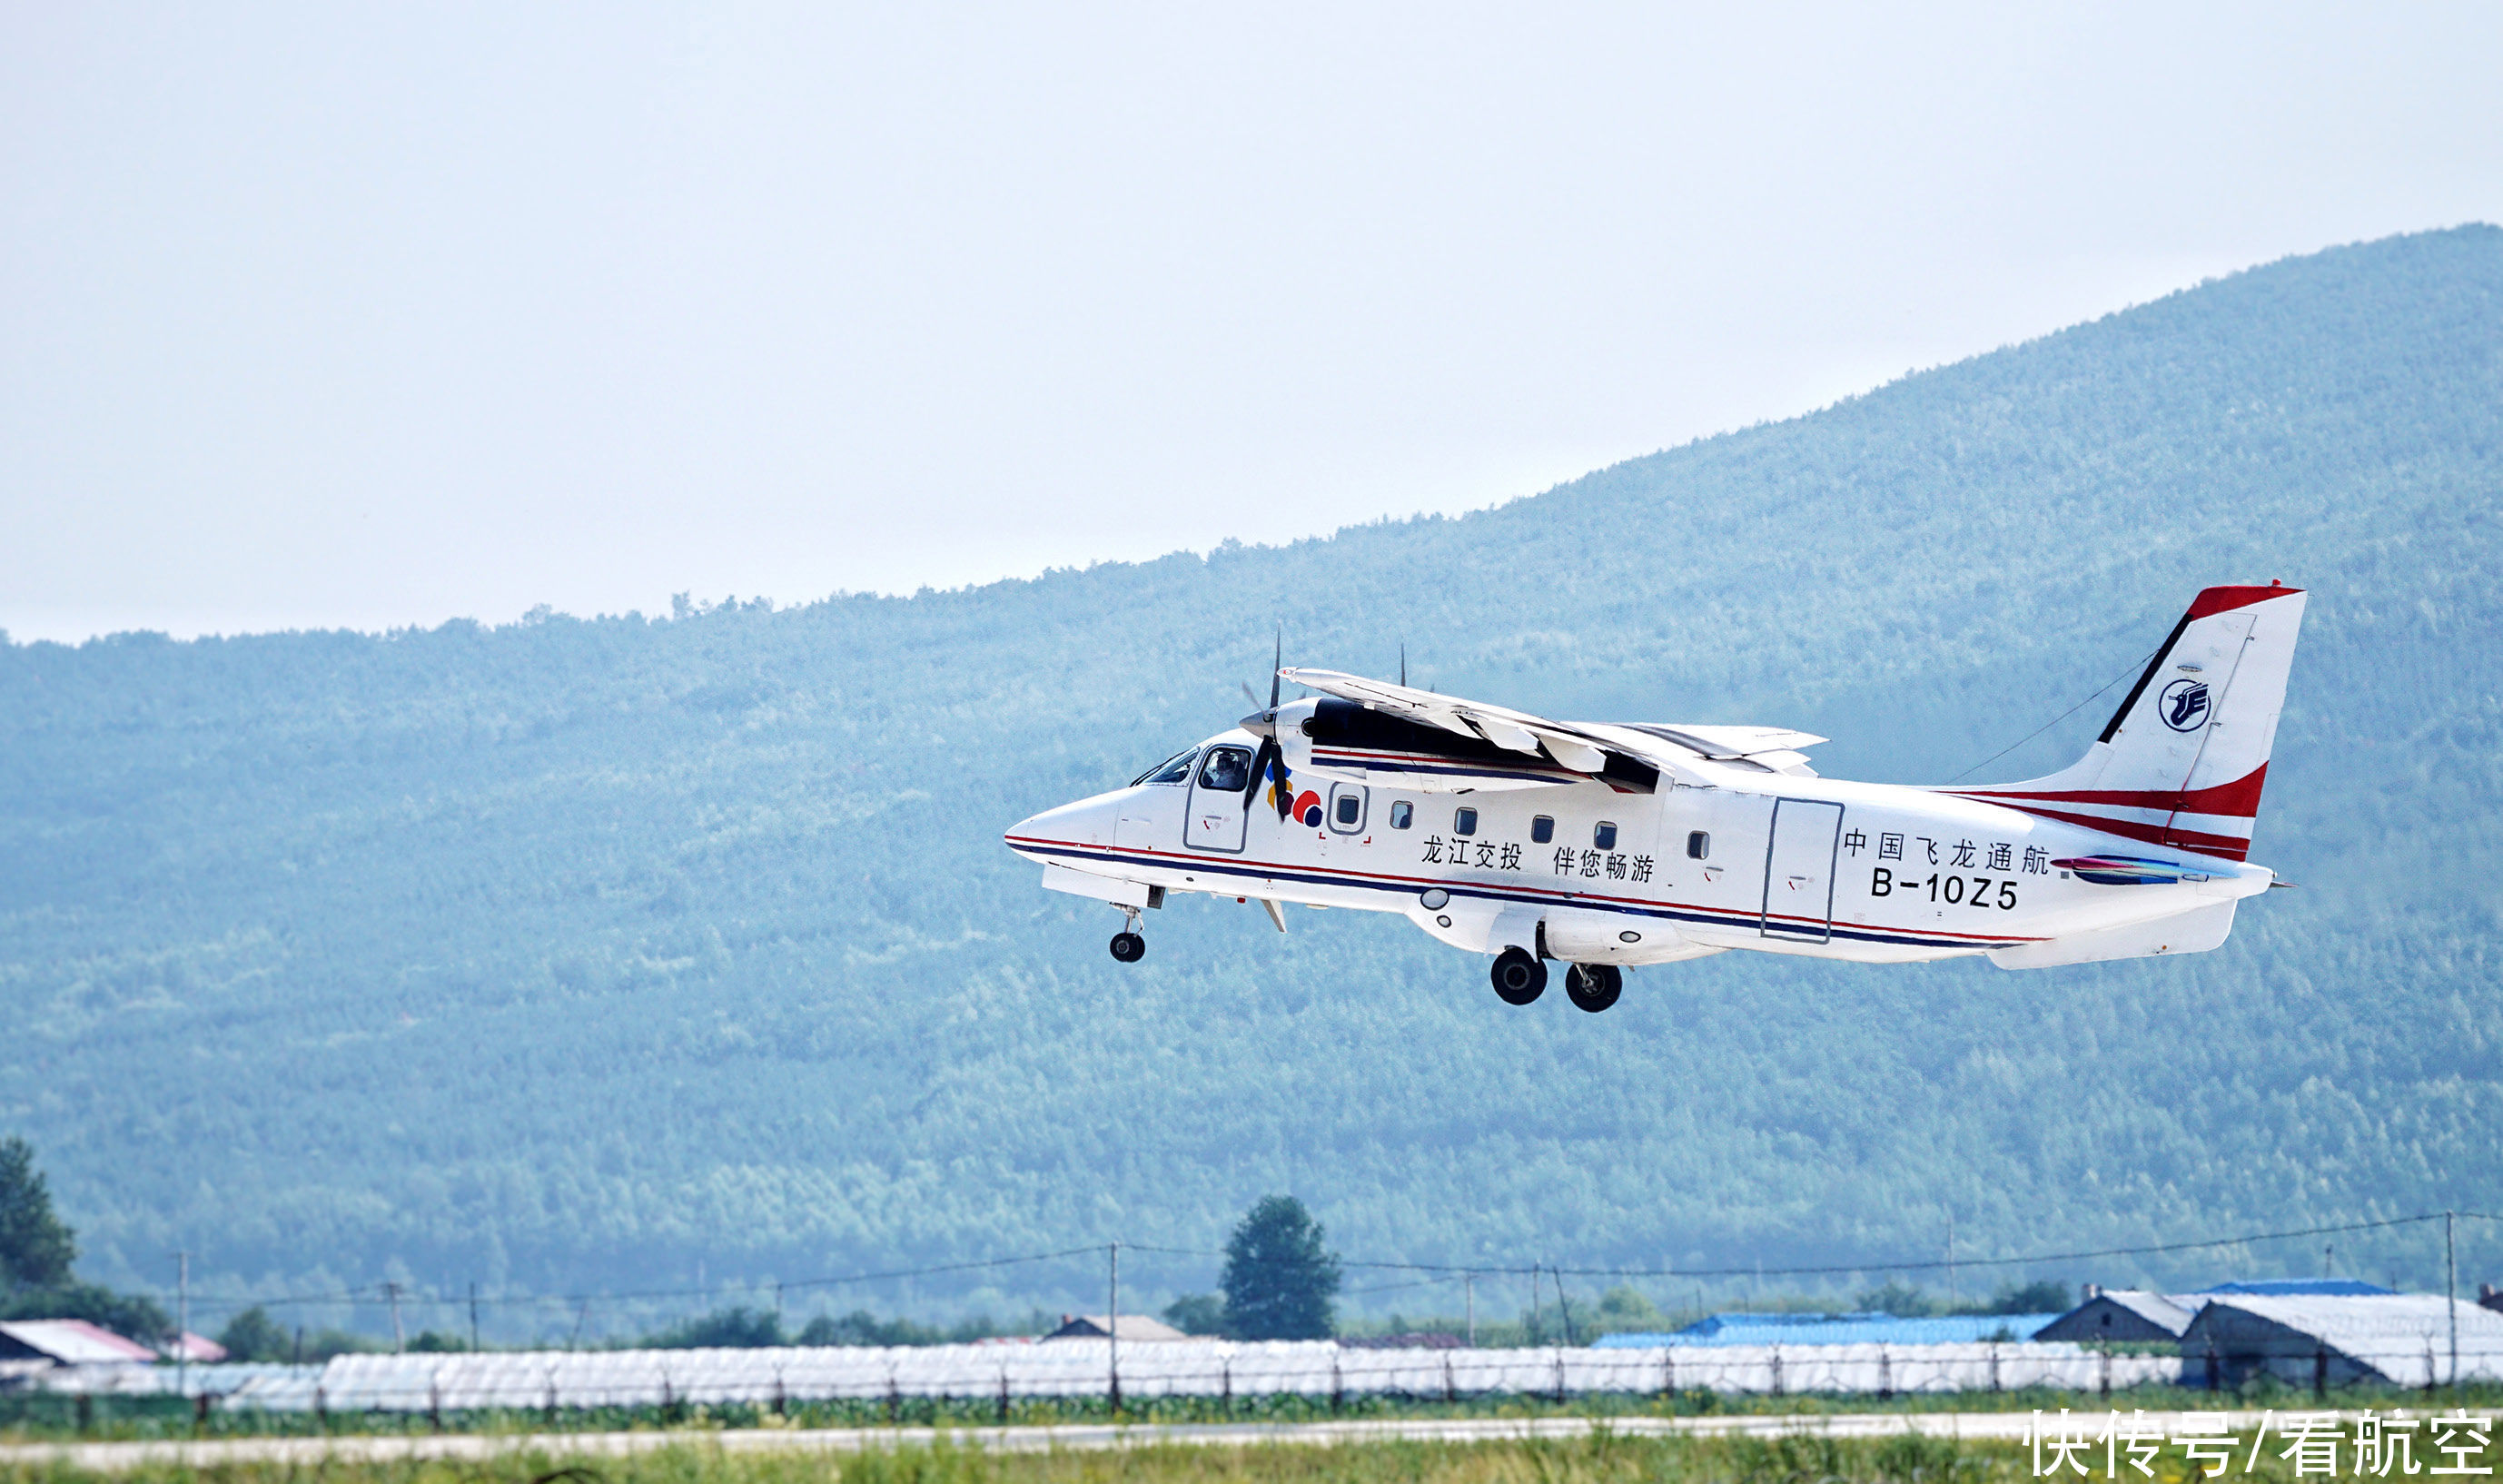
(1594, 986)
(1127, 945)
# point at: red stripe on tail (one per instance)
(2240, 799)
(2224, 599)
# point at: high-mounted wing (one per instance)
(1374, 732)
(1777, 749)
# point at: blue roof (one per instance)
(1836, 1329)
(1715, 1324)
(2292, 1287)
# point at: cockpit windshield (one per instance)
(1172, 769)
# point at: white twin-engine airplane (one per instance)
(1607, 845)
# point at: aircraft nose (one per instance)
(1085, 823)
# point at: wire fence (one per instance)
(1081, 1369)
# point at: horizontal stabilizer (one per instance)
(2195, 931)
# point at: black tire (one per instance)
(1594, 986)
(1129, 947)
(1519, 977)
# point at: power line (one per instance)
(380, 1292)
(1912, 1266)
(2048, 1256)
(2135, 666)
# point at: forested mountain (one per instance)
(589, 952)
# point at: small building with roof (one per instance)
(2302, 1288)
(1857, 1328)
(1135, 1327)
(2126, 1317)
(2316, 1339)
(68, 1342)
(2145, 1317)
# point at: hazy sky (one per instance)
(370, 316)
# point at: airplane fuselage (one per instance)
(1827, 868)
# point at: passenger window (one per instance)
(1172, 769)
(1541, 830)
(1351, 808)
(1402, 815)
(1466, 822)
(1605, 835)
(1699, 845)
(1228, 770)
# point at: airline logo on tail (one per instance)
(2182, 761)
(2186, 704)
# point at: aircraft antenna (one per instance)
(2135, 666)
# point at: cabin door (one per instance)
(1220, 806)
(1799, 870)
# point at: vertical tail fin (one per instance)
(2181, 762)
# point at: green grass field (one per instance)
(55, 1418)
(1601, 1459)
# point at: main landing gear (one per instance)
(1127, 945)
(1520, 978)
(1594, 986)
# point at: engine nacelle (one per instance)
(1578, 935)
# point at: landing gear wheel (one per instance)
(1594, 986)
(1519, 977)
(1129, 947)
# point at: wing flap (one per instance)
(1728, 742)
(1627, 757)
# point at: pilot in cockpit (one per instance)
(1227, 770)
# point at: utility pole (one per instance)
(1952, 1294)
(1537, 1321)
(473, 1317)
(183, 1325)
(2451, 1286)
(399, 1342)
(1113, 1332)
(1469, 1289)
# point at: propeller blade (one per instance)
(1276, 661)
(1250, 695)
(1259, 772)
(1403, 662)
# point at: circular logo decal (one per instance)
(2184, 705)
(1308, 809)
